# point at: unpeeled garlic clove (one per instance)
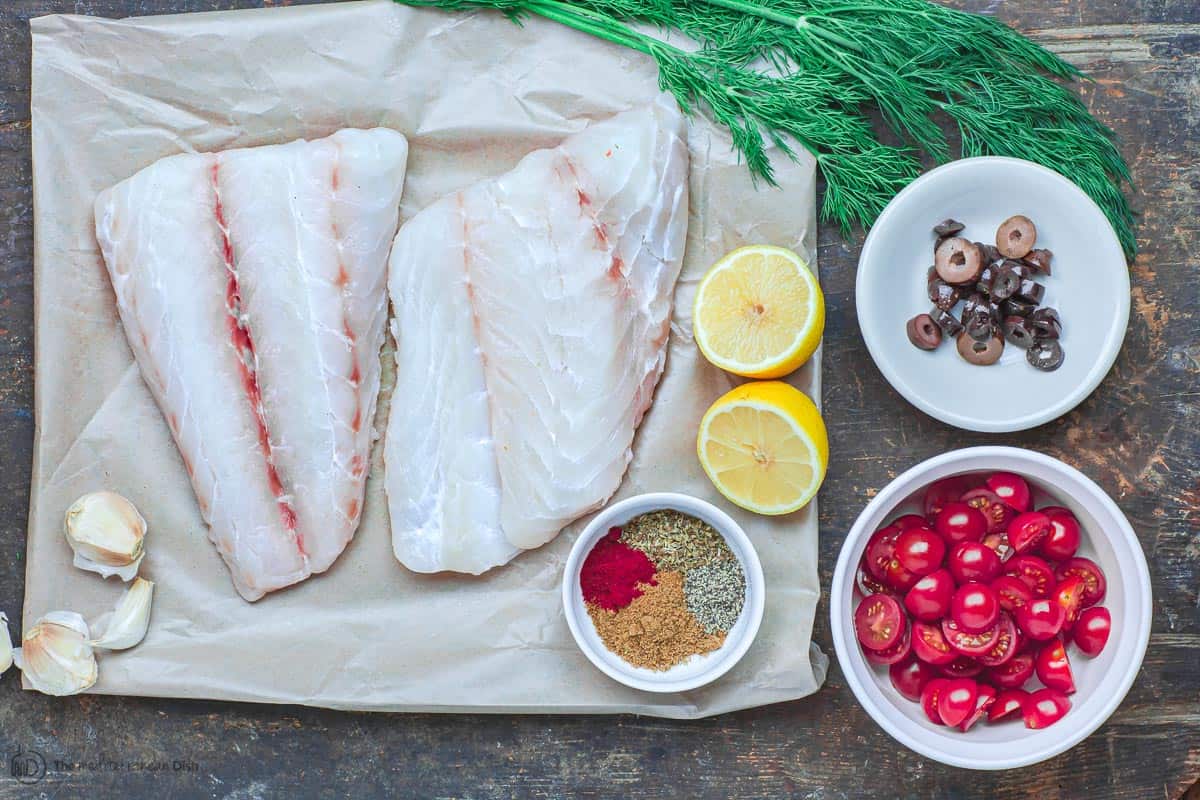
(6, 648)
(125, 626)
(56, 656)
(107, 534)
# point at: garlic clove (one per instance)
(125, 626)
(56, 656)
(6, 648)
(107, 534)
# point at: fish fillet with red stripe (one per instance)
(251, 285)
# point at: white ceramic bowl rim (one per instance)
(1040, 745)
(714, 664)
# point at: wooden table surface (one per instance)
(1138, 436)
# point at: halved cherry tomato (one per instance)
(879, 550)
(1093, 579)
(959, 522)
(999, 543)
(940, 493)
(957, 700)
(997, 512)
(983, 701)
(1041, 620)
(910, 676)
(929, 598)
(962, 667)
(930, 696)
(1027, 531)
(967, 643)
(920, 550)
(975, 607)
(1007, 642)
(897, 578)
(1034, 571)
(910, 521)
(1065, 534)
(1092, 630)
(1044, 708)
(1012, 591)
(879, 622)
(1010, 488)
(930, 645)
(897, 652)
(1069, 594)
(1007, 703)
(1014, 673)
(972, 561)
(869, 585)
(1053, 668)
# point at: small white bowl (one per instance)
(698, 670)
(1102, 682)
(1089, 287)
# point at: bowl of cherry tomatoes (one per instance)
(991, 607)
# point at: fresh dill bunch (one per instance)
(810, 71)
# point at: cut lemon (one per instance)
(764, 447)
(759, 312)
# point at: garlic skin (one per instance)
(107, 534)
(126, 625)
(6, 648)
(56, 656)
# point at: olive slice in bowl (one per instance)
(1016, 236)
(981, 353)
(958, 261)
(1046, 355)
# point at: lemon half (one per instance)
(759, 312)
(764, 446)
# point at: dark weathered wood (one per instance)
(1138, 436)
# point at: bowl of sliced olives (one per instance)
(993, 294)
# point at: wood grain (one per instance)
(1138, 436)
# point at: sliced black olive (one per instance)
(974, 300)
(1039, 260)
(958, 261)
(923, 332)
(984, 284)
(946, 321)
(981, 353)
(1005, 283)
(948, 227)
(1016, 236)
(997, 313)
(1031, 291)
(1016, 307)
(941, 294)
(1017, 332)
(979, 324)
(1019, 268)
(1044, 323)
(1046, 355)
(990, 253)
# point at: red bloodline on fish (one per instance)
(243, 345)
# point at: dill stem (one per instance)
(800, 24)
(590, 23)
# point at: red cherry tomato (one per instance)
(879, 550)
(983, 701)
(1092, 630)
(1065, 534)
(930, 696)
(1014, 673)
(879, 622)
(897, 578)
(1069, 594)
(1011, 489)
(929, 598)
(962, 667)
(910, 676)
(940, 493)
(897, 652)
(1035, 572)
(1044, 708)
(1053, 668)
(1041, 620)
(930, 645)
(975, 607)
(920, 550)
(910, 521)
(966, 642)
(1093, 579)
(973, 561)
(959, 522)
(999, 543)
(1027, 531)
(868, 585)
(1007, 642)
(997, 512)
(1008, 702)
(957, 700)
(1012, 591)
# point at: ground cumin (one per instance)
(656, 630)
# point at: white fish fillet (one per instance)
(531, 319)
(251, 285)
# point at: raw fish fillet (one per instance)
(251, 284)
(531, 320)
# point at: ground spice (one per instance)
(614, 574)
(715, 594)
(655, 631)
(676, 541)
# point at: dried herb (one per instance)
(675, 541)
(715, 595)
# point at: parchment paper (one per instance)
(473, 93)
